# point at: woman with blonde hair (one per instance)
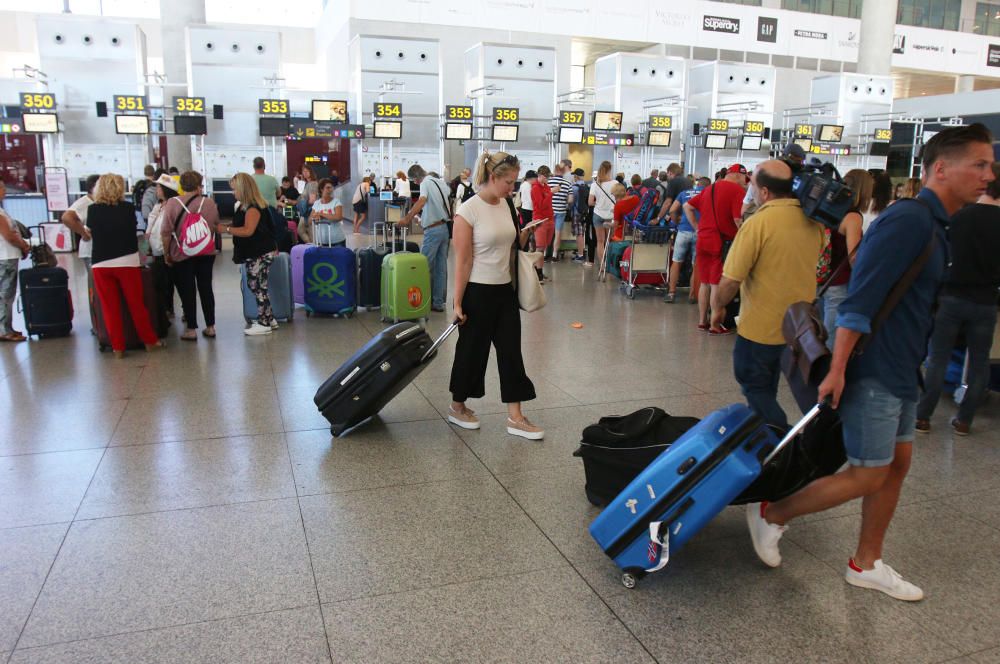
(602, 199)
(254, 247)
(359, 202)
(111, 225)
(485, 301)
(401, 191)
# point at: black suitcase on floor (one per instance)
(46, 301)
(370, 379)
(370, 277)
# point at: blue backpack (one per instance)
(643, 213)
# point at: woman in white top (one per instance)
(602, 199)
(326, 217)
(402, 189)
(485, 300)
(12, 249)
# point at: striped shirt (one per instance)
(561, 190)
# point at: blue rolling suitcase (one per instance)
(330, 275)
(279, 290)
(685, 487)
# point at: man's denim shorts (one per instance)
(684, 246)
(875, 420)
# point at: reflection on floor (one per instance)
(189, 505)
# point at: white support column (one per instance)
(878, 25)
(175, 17)
(965, 83)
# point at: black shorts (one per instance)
(361, 208)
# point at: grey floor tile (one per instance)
(170, 568)
(299, 412)
(44, 488)
(92, 383)
(991, 656)
(167, 476)
(62, 426)
(548, 616)
(26, 554)
(412, 537)
(547, 395)
(281, 636)
(187, 415)
(380, 455)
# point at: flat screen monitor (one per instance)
(831, 133)
(505, 133)
(879, 149)
(329, 110)
(751, 142)
(715, 141)
(457, 131)
(659, 139)
(40, 123)
(221, 184)
(804, 143)
(132, 124)
(571, 134)
(385, 195)
(273, 126)
(607, 121)
(388, 129)
(190, 125)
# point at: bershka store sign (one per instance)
(810, 34)
(993, 56)
(721, 24)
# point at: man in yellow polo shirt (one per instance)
(772, 263)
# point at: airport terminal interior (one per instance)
(188, 501)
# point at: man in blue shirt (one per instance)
(434, 211)
(685, 239)
(876, 393)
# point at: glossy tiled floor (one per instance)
(190, 506)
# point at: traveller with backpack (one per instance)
(581, 216)
(360, 203)
(165, 189)
(188, 232)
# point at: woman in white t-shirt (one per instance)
(602, 199)
(401, 191)
(327, 217)
(485, 300)
(12, 249)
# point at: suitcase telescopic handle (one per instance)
(797, 429)
(440, 340)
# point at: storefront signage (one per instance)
(721, 24)
(767, 29)
(810, 34)
(993, 56)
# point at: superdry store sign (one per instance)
(721, 24)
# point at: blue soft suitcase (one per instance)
(279, 290)
(330, 275)
(685, 487)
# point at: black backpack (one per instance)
(138, 191)
(468, 193)
(581, 195)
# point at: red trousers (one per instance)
(113, 282)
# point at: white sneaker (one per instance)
(765, 536)
(257, 330)
(465, 419)
(524, 429)
(274, 324)
(884, 578)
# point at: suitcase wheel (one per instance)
(631, 577)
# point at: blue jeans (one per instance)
(832, 298)
(955, 315)
(757, 368)
(435, 248)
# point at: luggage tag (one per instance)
(659, 548)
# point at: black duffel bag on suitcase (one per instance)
(374, 375)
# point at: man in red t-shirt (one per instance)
(718, 207)
(541, 199)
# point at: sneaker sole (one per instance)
(465, 425)
(751, 519)
(923, 431)
(530, 435)
(861, 583)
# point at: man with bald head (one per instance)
(772, 264)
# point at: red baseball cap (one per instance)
(737, 168)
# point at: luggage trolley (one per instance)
(648, 254)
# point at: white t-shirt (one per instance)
(492, 237)
(8, 250)
(604, 203)
(80, 207)
(336, 229)
(525, 191)
(402, 189)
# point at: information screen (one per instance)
(40, 123)
(751, 142)
(190, 125)
(805, 143)
(607, 121)
(505, 133)
(132, 124)
(329, 110)
(388, 129)
(831, 133)
(457, 131)
(659, 139)
(570, 134)
(273, 126)
(879, 149)
(715, 141)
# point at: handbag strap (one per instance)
(600, 185)
(447, 208)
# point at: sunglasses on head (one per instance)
(509, 159)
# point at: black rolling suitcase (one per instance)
(370, 379)
(370, 269)
(46, 301)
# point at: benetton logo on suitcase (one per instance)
(325, 287)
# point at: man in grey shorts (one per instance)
(876, 392)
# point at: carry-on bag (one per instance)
(406, 285)
(370, 268)
(150, 297)
(374, 375)
(330, 281)
(685, 488)
(279, 290)
(46, 301)
(298, 255)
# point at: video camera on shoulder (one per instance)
(822, 193)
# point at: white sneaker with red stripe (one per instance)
(884, 578)
(765, 536)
